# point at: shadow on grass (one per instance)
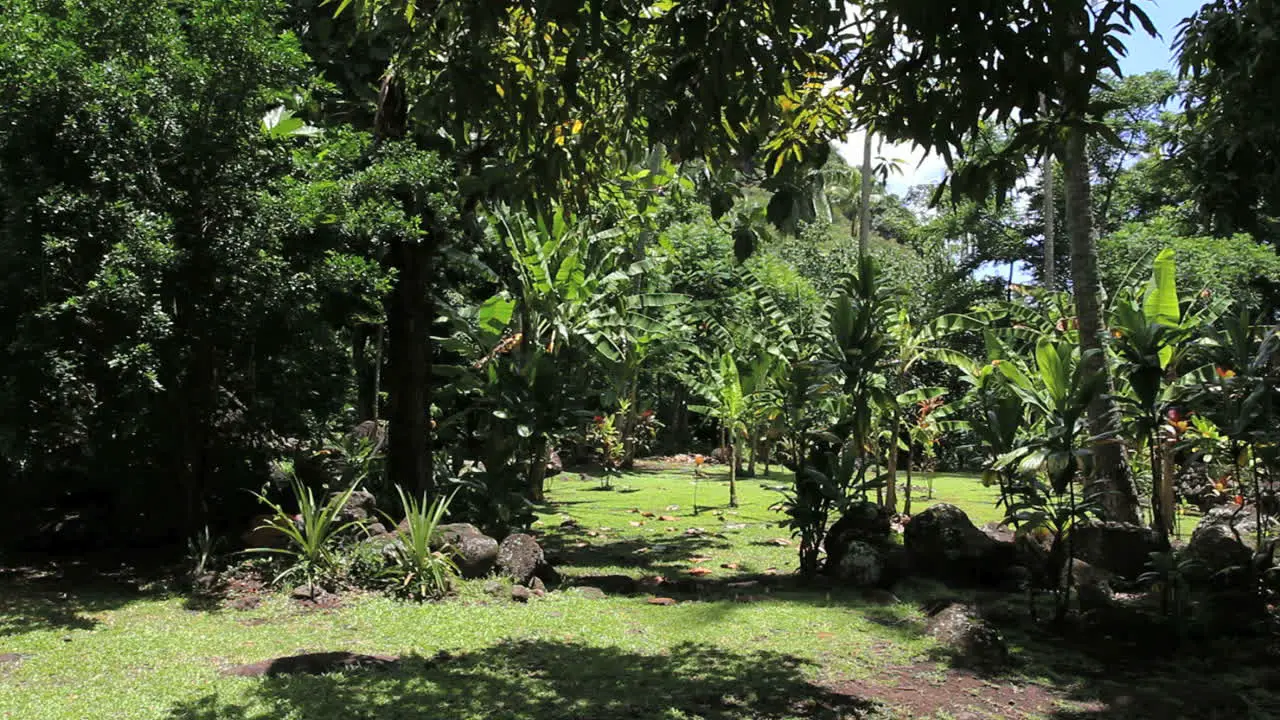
(38, 594)
(566, 549)
(548, 680)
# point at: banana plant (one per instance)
(1153, 336)
(727, 404)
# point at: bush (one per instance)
(417, 571)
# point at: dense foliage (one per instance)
(436, 250)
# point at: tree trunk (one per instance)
(409, 319)
(1110, 471)
(733, 473)
(906, 508)
(1050, 211)
(864, 207)
(629, 425)
(409, 325)
(538, 470)
(891, 487)
(364, 357)
(755, 450)
(1167, 501)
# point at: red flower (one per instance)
(1175, 414)
(1224, 373)
(647, 413)
(1239, 500)
(598, 420)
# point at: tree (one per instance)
(165, 319)
(1066, 46)
(727, 403)
(534, 102)
(1229, 54)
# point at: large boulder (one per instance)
(861, 565)
(1239, 520)
(475, 552)
(1220, 555)
(971, 640)
(864, 522)
(361, 507)
(1093, 585)
(1120, 548)
(941, 542)
(521, 559)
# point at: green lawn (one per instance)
(771, 650)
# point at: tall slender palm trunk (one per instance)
(1110, 471)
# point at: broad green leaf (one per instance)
(1161, 303)
(494, 314)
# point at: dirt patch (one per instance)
(8, 661)
(312, 664)
(923, 691)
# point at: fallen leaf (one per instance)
(771, 571)
(667, 518)
(661, 601)
(634, 510)
(780, 542)
(636, 524)
(700, 571)
(592, 533)
(698, 559)
(581, 544)
(646, 513)
(729, 566)
(673, 508)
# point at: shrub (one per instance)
(312, 536)
(418, 571)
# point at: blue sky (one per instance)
(1145, 54)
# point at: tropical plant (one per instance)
(312, 535)
(423, 567)
(721, 388)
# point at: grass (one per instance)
(764, 651)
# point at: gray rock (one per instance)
(1093, 586)
(590, 593)
(1222, 558)
(475, 552)
(1120, 548)
(520, 593)
(521, 559)
(864, 522)
(970, 639)
(361, 507)
(942, 543)
(861, 566)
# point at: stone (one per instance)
(590, 593)
(1121, 548)
(942, 543)
(475, 552)
(861, 565)
(520, 593)
(972, 640)
(666, 601)
(555, 465)
(1093, 586)
(311, 593)
(361, 507)
(521, 558)
(1243, 520)
(864, 522)
(611, 584)
(537, 586)
(261, 535)
(1221, 555)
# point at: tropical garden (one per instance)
(525, 359)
